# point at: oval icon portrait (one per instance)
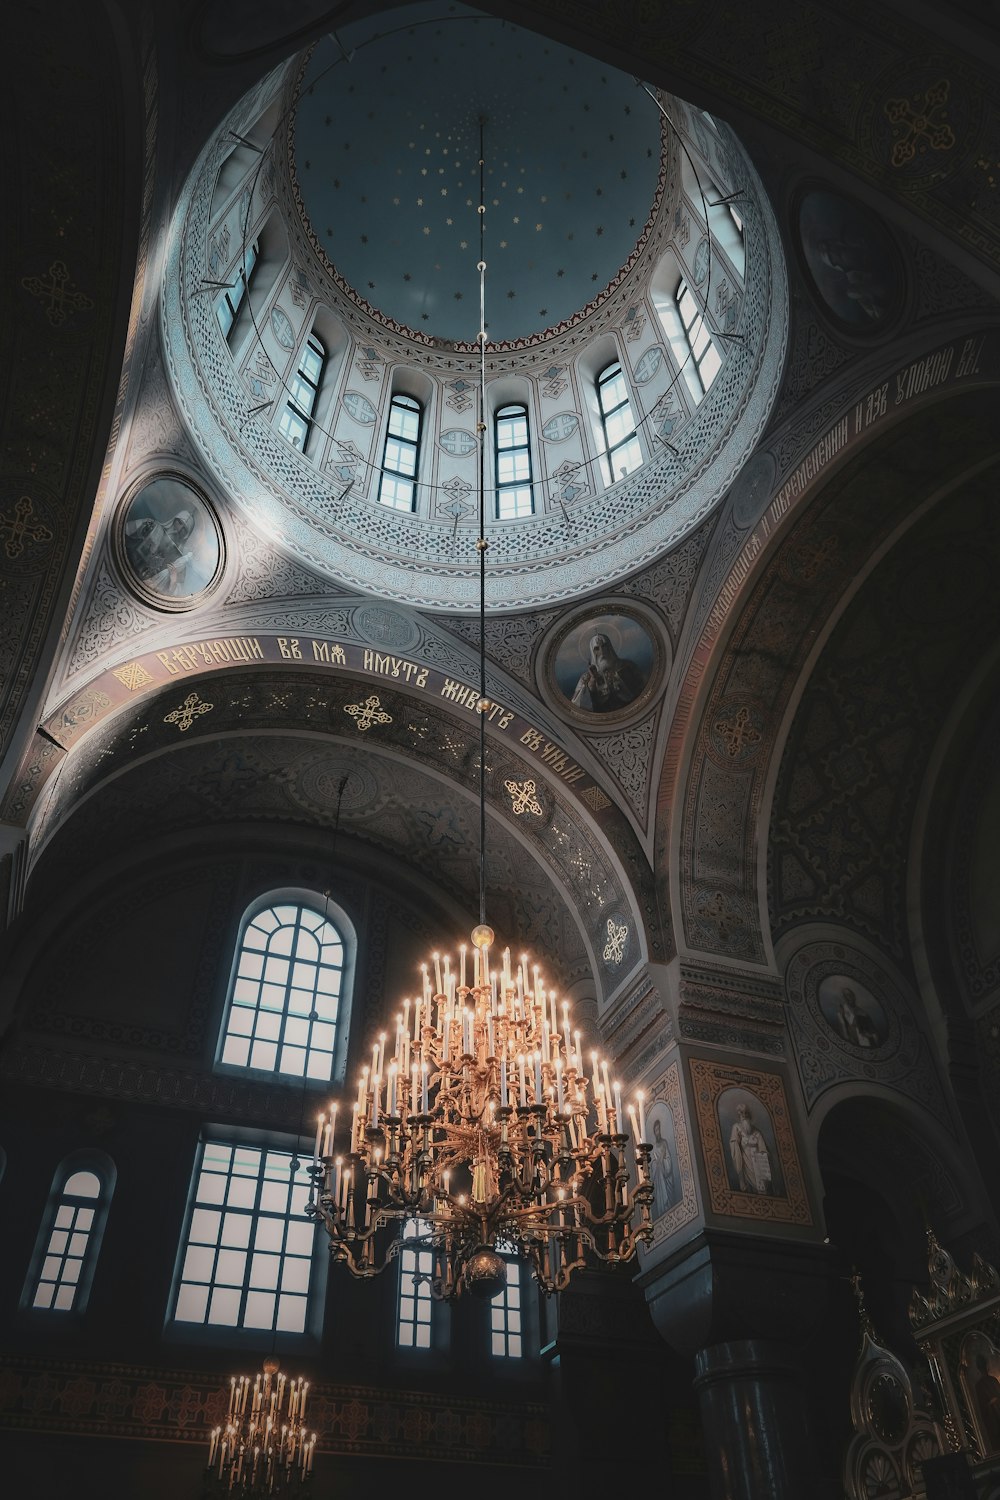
(605, 663)
(169, 542)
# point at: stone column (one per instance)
(755, 1421)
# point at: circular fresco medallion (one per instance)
(169, 543)
(605, 663)
(851, 261)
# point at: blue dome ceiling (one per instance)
(386, 158)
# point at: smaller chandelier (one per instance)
(481, 1135)
(264, 1448)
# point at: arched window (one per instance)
(622, 452)
(232, 297)
(398, 485)
(512, 455)
(413, 1316)
(247, 1251)
(287, 991)
(699, 357)
(65, 1258)
(295, 422)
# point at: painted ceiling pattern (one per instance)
(386, 136)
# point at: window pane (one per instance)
(83, 1185)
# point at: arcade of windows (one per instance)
(248, 1252)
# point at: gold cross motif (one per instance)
(132, 675)
(737, 732)
(192, 708)
(522, 796)
(60, 303)
(921, 123)
(19, 525)
(614, 948)
(368, 713)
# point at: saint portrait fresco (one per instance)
(604, 663)
(851, 261)
(663, 1169)
(169, 542)
(852, 1012)
(751, 1153)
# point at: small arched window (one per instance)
(512, 456)
(506, 1329)
(285, 1001)
(232, 297)
(295, 422)
(413, 1314)
(62, 1267)
(622, 451)
(398, 485)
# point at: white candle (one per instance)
(320, 1122)
(642, 1116)
(391, 1091)
(423, 1100)
(461, 961)
(503, 1083)
(437, 973)
(538, 1078)
(559, 1084)
(520, 1065)
(619, 1117)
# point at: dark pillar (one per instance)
(755, 1421)
(742, 1308)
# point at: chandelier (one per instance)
(264, 1448)
(478, 1133)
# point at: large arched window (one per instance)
(512, 456)
(398, 485)
(285, 1002)
(622, 451)
(69, 1239)
(295, 422)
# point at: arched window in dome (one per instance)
(693, 346)
(401, 453)
(62, 1267)
(296, 420)
(232, 297)
(512, 456)
(288, 998)
(622, 451)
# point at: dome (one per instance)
(326, 254)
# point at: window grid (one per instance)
(285, 1000)
(295, 422)
(622, 450)
(397, 486)
(413, 1323)
(512, 451)
(68, 1242)
(506, 1333)
(707, 362)
(249, 1245)
(231, 298)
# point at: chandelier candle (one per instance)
(437, 1140)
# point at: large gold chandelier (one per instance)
(477, 1132)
